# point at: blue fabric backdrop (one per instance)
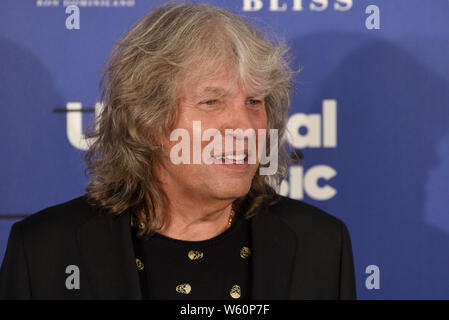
(386, 174)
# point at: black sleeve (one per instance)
(347, 276)
(14, 277)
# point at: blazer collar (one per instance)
(274, 248)
(108, 257)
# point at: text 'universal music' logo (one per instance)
(303, 131)
(319, 131)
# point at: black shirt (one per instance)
(217, 268)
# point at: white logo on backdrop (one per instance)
(74, 126)
(297, 5)
(321, 132)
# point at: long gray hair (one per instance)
(140, 89)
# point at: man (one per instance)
(171, 218)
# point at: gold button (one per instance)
(139, 264)
(236, 291)
(245, 252)
(195, 255)
(184, 288)
(141, 225)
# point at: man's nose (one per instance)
(240, 117)
(240, 129)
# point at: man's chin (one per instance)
(232, 193)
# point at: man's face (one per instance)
(218, 104)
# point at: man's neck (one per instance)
(193, 216)
(195, 223)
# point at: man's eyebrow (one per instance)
(225, 92)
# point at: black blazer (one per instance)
(299, 252)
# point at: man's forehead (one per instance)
(214, 89)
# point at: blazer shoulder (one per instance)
(62, 216)
(325, 263)
(305, 217)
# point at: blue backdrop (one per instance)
(370, 113)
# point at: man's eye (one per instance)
(211, 102)
(254, 101)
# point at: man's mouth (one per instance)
(231, 158)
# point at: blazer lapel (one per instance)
(274, 248)
(106, 248)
